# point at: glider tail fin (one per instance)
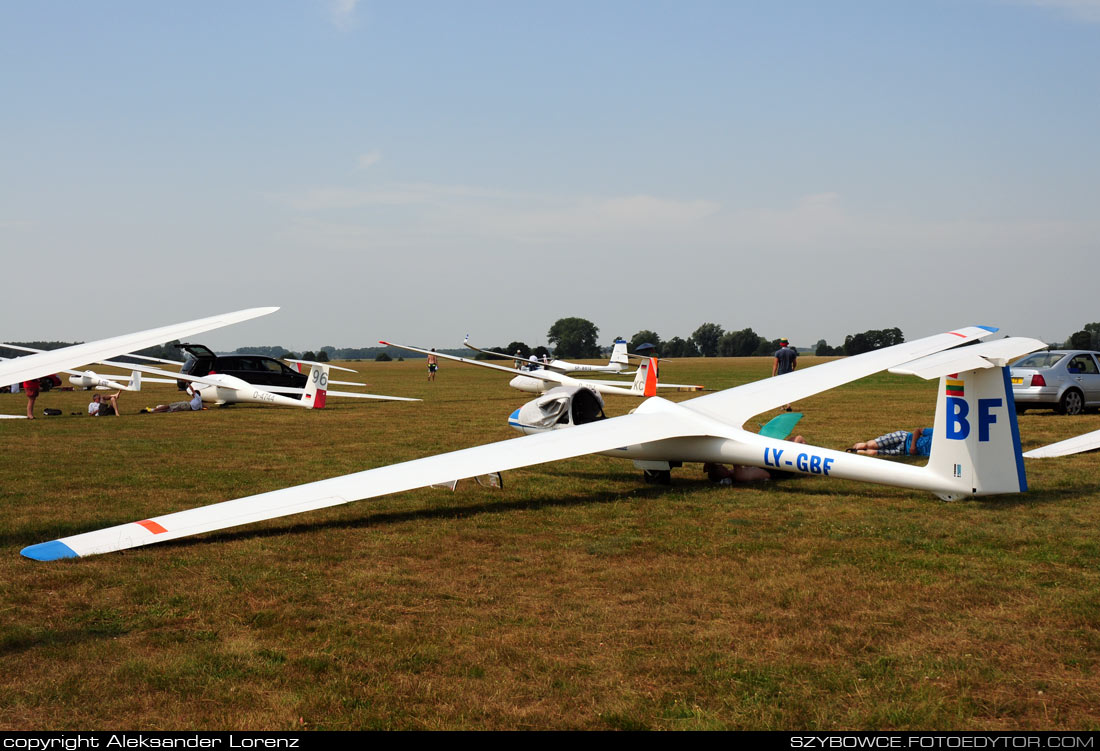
(645, 380)
(618, 353)
(135, 381)
(976, 441)
(317, 386)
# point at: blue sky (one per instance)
(419, 170)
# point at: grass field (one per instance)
(576, 597)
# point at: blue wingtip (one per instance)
(49, 551)
(990, 329)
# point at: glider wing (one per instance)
(655, 420)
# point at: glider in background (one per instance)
(617, 364)
(89, 379)
(542, 380)
(223, 389)
(975, 449)
(45, 363)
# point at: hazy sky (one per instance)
(418, 170)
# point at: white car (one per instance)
(1067, 381)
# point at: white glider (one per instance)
(46, 363)
(616, 365)
(89, 379)
(540, 381)
(221, 388)
(975, 449)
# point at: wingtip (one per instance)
(48, 551)
(990, 329)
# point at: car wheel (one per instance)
(1071, 403)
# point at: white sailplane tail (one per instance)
(618, 353)
(317, 387)
(976, 441)
(645, 380)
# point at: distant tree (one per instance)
(766, 347)
(644, 336)
(574, 337)
(520, 347)
(867, 341)
(331, 352)
(291, 356)
(856, 344)
(1093, 331)
(677, 347)
(383, 357)
(706, 339)
(309, 355)
(494, 353)
(540, 352)
(1080, 340)
(741, 343)
(822, 349)
(322, 356)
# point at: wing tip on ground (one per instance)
(49, 551)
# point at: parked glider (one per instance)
(540, 381)
(222, 389)
(90, 379)
(618, 363)
(975, 451)
(45, 363)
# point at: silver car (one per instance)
(1065, 380)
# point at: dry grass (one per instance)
(577, 597)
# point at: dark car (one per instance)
(255, 369)
(1067, 381)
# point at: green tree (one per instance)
(741, 343)
(383, 357)
(520, 347)
(574, 337)
(856, 344)
(677, 347)
(706, 339)
(1080, 340)
(642, 337)
(310, 355)
(322, 356)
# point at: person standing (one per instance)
(786, 360)
(32, 388)
(433, 365)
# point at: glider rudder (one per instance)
(976, 440)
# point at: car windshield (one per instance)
(1040, 360)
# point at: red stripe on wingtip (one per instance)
(153, 527)
(956, 333)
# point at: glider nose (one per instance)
(513, 421)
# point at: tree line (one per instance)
(578, 338)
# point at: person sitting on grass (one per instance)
(195, 404)
(104, 405)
